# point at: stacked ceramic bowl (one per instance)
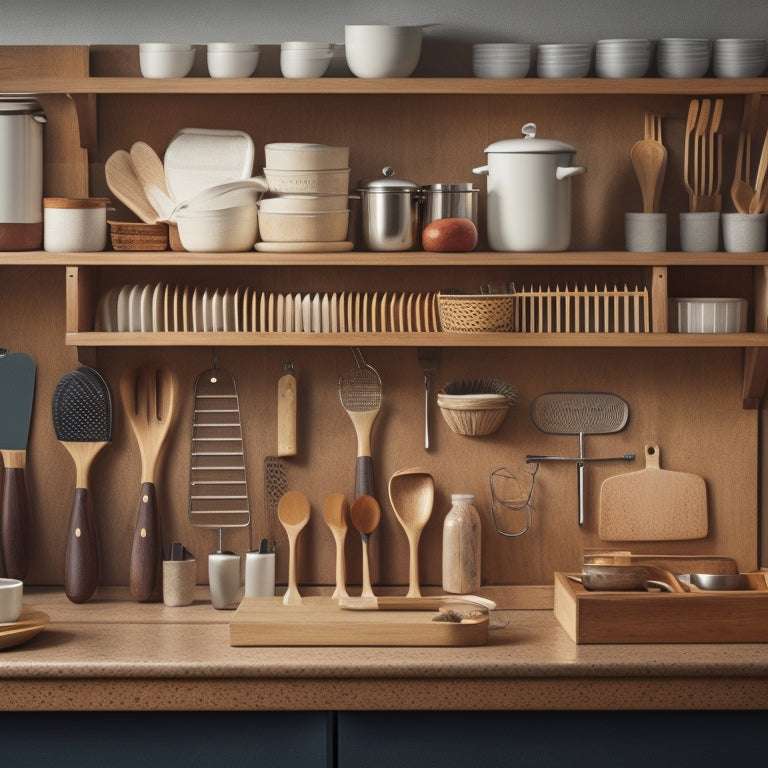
(301, 59)
(564, 60)
(166, 59)
(308, 205)
(683, 57)
(232, 59)
(739, 57)
(622, 57)
(501, 59)
(382, 50)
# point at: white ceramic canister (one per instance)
(529, 193)
(461, 546)
(73, 224)
(21, 173)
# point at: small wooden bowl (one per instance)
(137, 236)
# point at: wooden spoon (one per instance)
(336, 511)
(758, 201)
(293, 512)
(690, 127)
(149, 398)
(126, 187)
(412, 494)
(365, 513)
(151, 175)
(649, 159)
(741, 191)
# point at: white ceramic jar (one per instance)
(72, 224)
(529, 193)
(21, 173)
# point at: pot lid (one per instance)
(387, 183)
(19, 104)
(530, 144)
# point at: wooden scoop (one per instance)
(336, 511)
(149, 398)
(126, 187)
(293, 512)
(151, 175)
(412, 494)
(365, 514)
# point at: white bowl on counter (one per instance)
(328, 226)
(295, 156)
(222, 230)
(159, 60)
(708, 315)
(232, 59)
(382, 50)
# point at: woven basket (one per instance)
(475, 422)
(467, 313)
(133, 236)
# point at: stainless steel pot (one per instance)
(445, 201)
(21, 173)
(390, 213)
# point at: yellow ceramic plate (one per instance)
(29, 624)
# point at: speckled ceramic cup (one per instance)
(744, 232)
(645, 232)
(700, 231)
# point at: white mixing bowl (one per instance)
(381, 50)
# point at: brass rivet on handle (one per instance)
(143, 533)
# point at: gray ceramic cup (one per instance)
(700, 231)
(179, 582)
(645, 232)
(744, 232)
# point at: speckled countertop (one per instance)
(114, 654)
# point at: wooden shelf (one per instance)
(384, 259)
(469, 86)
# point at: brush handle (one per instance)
(146, 553)
(81, 563)
(15, 518)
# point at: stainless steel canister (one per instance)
(390, 213)
(447, 201)
(21, 173)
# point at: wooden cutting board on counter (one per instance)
(319, 621)
(653, 504)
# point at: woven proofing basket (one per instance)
(474, 422)
(467, 313)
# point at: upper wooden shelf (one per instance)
(470, 86)
(385, 259)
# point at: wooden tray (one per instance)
(660, 617)
(30, 623)
(319, 621)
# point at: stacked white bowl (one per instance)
(309, 194)
(166, 59)
(622, 57)
(498, 60)
(305, 59)
(683, 57)
(382, 50)
(232, 59)
(564, 60)
(739, 57)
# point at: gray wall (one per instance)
(28, 22)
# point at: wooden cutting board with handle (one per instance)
(653, 504)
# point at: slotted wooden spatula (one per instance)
(653, 504)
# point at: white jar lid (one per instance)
(530, 144)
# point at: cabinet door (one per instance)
(189, 739)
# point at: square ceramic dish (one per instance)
(709, 315)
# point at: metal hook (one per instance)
(511, 504)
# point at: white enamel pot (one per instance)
(529, 193)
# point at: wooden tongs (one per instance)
(703, 157)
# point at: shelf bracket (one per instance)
(755, 376)
(85, 108)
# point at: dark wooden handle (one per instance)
(81, 563)
(364, 485)
(15, 524)
(146, 553)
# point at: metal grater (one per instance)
(218, 490)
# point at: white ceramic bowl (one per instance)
(162, 62)
(498, 60)
(289, 156)
(710, 315)
(381, 50)
(223, 230)
(333, 182)
(564, 60)
(11, 592)
(330, 226)
(303, 203)
(621, 58)
(293, 45)
(680, 57)
(305, 62)
(232, 62)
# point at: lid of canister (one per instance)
(75, 202)
(19, 104)
(387, 183)
(530, 144)
(467, 498)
